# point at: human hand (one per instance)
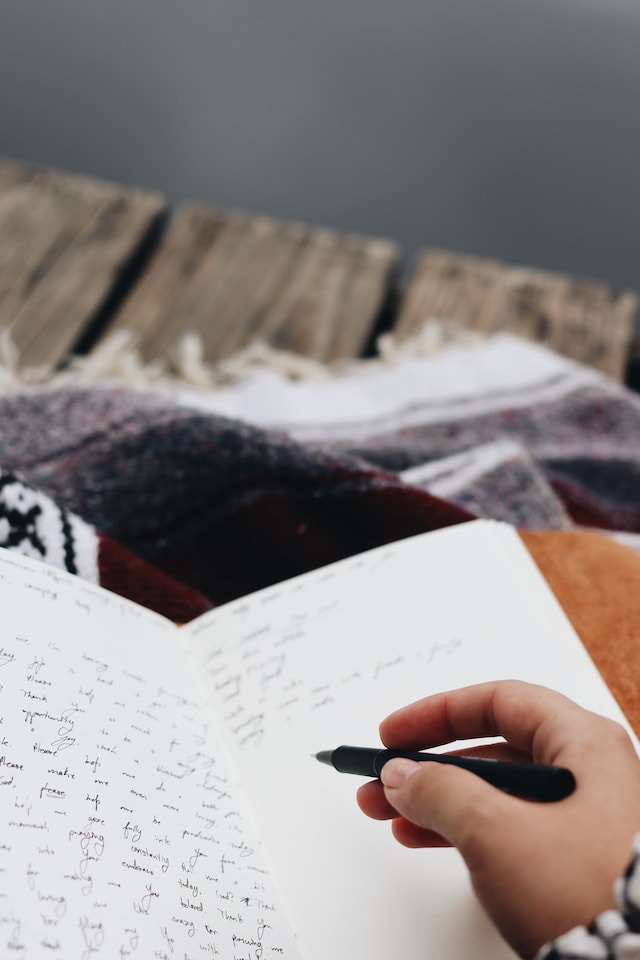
(538, 869)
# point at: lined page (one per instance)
(319, 661)
(122, 828)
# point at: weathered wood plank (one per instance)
(65, 243)
(581, 319)
(231, 278)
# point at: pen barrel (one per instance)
(530, 781)
(358, 760)
(527, 780)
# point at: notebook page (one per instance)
(319, 661)
(121, 830)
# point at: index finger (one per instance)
(531, 718)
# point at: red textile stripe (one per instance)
(129, 576)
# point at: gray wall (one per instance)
(505, 128)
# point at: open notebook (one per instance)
(157, 788)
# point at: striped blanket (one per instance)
(183, 499)
(506, 429)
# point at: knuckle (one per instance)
(614, 732)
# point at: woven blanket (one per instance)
(182, 499)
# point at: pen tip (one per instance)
(324, 756)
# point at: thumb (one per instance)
(452, 802)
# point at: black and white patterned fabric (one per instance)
(614, 934)
(32, 524)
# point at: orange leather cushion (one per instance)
(597, 581)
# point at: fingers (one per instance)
(445, 801)
(440, 801)
(372, 801)
(526, 715)
(409, 835)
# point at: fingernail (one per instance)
(395, 773)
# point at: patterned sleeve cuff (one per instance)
(614, 934)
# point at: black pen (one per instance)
(528, 780)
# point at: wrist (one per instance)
(613, 933)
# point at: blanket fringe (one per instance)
(117, 360)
